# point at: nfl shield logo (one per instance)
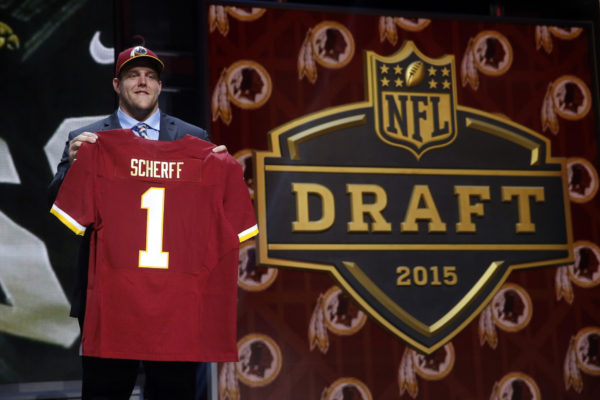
(414, 98)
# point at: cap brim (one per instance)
(159, 66)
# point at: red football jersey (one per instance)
(167, 220)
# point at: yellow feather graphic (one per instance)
(220, 105)
(547, 114)
(228, 384)
(571, 373)
(468, 71)
(543, 39)
(487, 328)
(407, 378)
(317, 331)
(306, 61)
(562, 285)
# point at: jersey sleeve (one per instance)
(74, 205)
(238, 206)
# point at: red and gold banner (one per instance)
(301, 335)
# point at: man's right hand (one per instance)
(77, 141)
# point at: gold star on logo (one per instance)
(384, 69)
(397, 70)
(445, 71)
(446, 84)
(431, 71)
(432, 84)
(385, 82)
(399, 82)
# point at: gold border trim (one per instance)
(319, 130)
(401, 314)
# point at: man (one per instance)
(138, 86)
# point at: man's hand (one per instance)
(219, 148)
(77, 141)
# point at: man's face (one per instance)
(138, 88)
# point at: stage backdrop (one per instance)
(302, 334)
(57, 61)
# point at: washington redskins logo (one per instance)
(388, 27)
(512, 308)
(342, 315)
(565, 32)
(585, 271)
(329, 44)
(335, 311)
(571, 97)
(583, 355)
(260, 360)
(245, 83)
(250, 277)
(568, 97)
(493, 53)
(544, 33)
(412, 24)
(244, 157)
(582, 178)
(8, 39)
(218, 16)
(516, 386)
(587, 348)
(249, 84)
(347, 389)
(490, 53)
(434, 366)
(246, 13)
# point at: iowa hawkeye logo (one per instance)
(420, 208)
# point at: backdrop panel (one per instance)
(539, 74)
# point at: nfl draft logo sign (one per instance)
(414, 100)
(418, 207)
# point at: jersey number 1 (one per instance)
(153, 200)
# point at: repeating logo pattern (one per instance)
(329, 44)
(490, 56)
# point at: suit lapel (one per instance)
(168, 129)
(112, 122)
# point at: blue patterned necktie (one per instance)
(141, 129)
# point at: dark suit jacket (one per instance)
(171, 128)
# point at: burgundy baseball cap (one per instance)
(131, 54)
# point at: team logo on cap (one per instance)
(138, 51)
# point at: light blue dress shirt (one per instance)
(153, 123)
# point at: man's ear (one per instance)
(116, 85)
